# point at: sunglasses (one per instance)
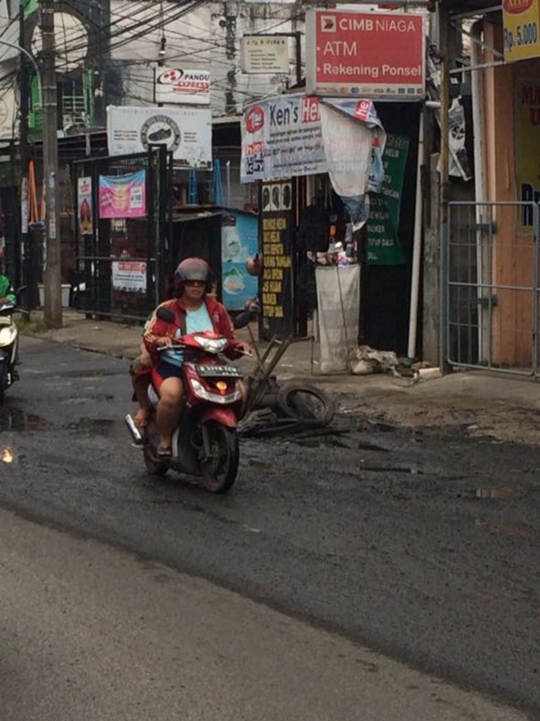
(194, 283)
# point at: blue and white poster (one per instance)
(239, 242)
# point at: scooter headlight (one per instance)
(7, 335)
(212, 345)
(201, 392)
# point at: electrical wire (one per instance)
(162, 25)
(140, 26)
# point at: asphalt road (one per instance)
(421, 546)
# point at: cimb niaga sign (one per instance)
(365, 54)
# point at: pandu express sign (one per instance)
(365, 54)
(521, 20)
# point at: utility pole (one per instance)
(24, 255)
(52, 278)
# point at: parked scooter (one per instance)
(205, 444)
(9, 344)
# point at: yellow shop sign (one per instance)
(521, 29)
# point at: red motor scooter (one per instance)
(205, 444)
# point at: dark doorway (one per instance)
(386, 293)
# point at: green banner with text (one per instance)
(383, 246)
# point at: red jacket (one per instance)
(157, 328)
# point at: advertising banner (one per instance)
(277, 232)
(365, 54)
(129, 276)
(527, 148)
(283, 137)
(122, 196)
(239, 242)
(263, 54)
(521, 20)
(383, 246)
(186, 132)
(84, 206)
(186, 87)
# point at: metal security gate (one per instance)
(122, 234)
(490, 281)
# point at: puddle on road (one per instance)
(488, 493)
(94, 426)
(16, 421)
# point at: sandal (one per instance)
(164, 451)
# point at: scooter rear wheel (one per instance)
(153, 466)
(220, 471)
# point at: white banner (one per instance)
(338, 311)
(184, 87)
(264, 54)
(129, 276)
(351, 149)
(283, 137)
(187, 133)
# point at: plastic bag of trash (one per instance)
(366, 361)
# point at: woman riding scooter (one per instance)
(195, 312)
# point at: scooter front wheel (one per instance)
(221, 468)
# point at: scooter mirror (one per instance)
(242, 320)
(166, 315)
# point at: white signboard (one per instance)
(129, 276)
(187, 133)
(263, 54)
(282, 137)
(186, 87)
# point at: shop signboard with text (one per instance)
(184, 87)
(129, 276)
(527, 150)
(277, 232)
(185, 132)
(382, 236)
(264, 54)
(372, 55)
(282, 137)
(521, 34)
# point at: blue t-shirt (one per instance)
(197, 321)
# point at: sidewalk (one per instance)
(504, 407)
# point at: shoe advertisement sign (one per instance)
(186, 133)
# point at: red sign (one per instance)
(255, 119)
(517, 6)
(366, 54)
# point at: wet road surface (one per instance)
(421, 545)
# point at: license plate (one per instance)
(218, 371)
